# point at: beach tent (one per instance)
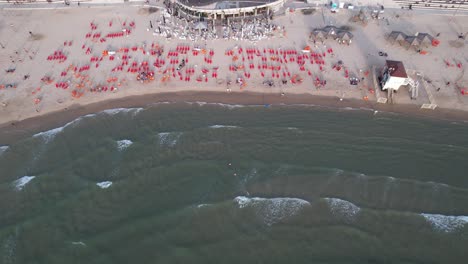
(425, 39)
(345, 36)
(318, 34)
(330, 31)
(361, 17)
(397, 36)
(412, 42)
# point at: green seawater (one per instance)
(206, 183)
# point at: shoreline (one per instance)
(17, 130)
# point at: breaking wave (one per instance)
(3, 149)
(49, 135)
(229, 106)
(169, 139)
(343, 208)
(223, 126)
(115, 111)
(123, 144)
(272, 210)
(21, 182)
(78, 243)
(436, 186)
(104, 184)
(446, 223)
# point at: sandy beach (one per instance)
(68, 64)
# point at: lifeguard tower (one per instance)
(394, 76)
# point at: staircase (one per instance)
(413, 87)
(445, 5)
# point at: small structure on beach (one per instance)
(360, 17)
(393, 75)
(342, 36)
(318, 35)
(413, 42)
(425, 39)
(417, 41)
(397, 36)
(330, 31)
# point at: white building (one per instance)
(393, 75)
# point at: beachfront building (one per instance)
(393, 75)
(226, 9)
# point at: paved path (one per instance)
(56, 4)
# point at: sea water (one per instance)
(207, 183)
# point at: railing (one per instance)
(446, 5)
(229, 11)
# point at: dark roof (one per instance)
(332, 30)
(424, 37)
(397, 35)
(319, 32)
(413, 41)
(345, 35)
(396, 69)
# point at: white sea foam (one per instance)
(49, 135)
(229, 106)
(21, 182)
(223, 126)
(367, 109)
(203, 205)
(304, 105)
(436, 186)
(8, 248)
(169, 139)
(349, 108)
(3, 149)
(79, 243)
(357, 109)
(272, 210)
(104, 184)
(446, 223)
(343, 208)
(123, 144)
(160, 103)
(115, 111)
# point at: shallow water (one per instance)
(208, 183)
